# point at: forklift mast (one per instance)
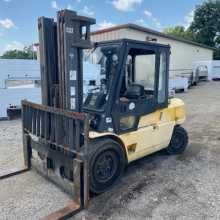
(61, 44)
(59, 124)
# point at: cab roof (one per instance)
(126, 40)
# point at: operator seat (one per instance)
(135, 92)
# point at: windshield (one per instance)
(99, 66)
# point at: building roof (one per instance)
(140, 28)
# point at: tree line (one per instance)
(26, 53)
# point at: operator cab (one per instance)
(133, 83)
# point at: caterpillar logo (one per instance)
(69, 30)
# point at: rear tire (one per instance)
(106, 165)
(178, 142)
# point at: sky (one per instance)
(18, 18)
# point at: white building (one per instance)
(183, 52)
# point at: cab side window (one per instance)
(162, 77)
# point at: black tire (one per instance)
(106, 164)
(178, 142)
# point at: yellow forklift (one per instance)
(82, 141)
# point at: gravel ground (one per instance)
(155, 187)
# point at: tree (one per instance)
(206, 25)
(180, 31)
(26, 53)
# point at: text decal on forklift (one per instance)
(72, 103)
(72, 75)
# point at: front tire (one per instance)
(178, 142)
(106, 165)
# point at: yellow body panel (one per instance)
(154, 131)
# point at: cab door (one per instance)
(140, 67)
(165, 123)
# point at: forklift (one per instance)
(81, 141)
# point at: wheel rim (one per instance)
(105, 166)
(177, 141)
